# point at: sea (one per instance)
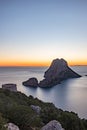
(70, 95)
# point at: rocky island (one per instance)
(33, 82)
(57, 72)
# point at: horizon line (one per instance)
(40, 63)
(34, 65)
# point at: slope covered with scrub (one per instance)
(16, 108)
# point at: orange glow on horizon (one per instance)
(32, 63)
(77, 62)
(38, 63)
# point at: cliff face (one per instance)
(57, 72)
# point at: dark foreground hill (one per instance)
(16, 108)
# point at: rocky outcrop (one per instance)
(11, 126)
(33, 82)
(52, 125)
(37, 109)
(11, 87)
(57, 72)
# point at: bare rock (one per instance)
(10, 86)
(33, 82)
(37, 109)
(11, 126)
(57, 72)
(52, 125)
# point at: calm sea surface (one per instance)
(70, 95)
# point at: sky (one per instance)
(34, 32)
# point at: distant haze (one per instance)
(34, 32)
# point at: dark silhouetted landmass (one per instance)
(33, 82)
(57, 72)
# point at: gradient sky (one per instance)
(34, 32)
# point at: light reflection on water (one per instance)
(69, 95)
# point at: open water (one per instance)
(70, 95)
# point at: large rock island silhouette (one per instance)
(57, 72)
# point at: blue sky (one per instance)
(41, 30)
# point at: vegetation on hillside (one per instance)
(15, 108)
